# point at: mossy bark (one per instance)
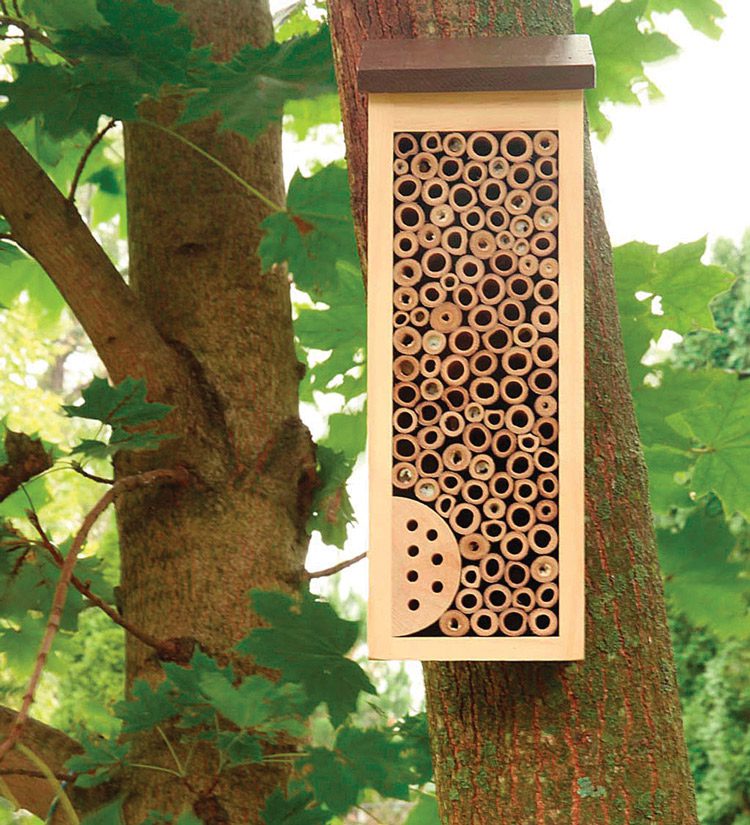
(554, 744)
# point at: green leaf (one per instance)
(240, 748)
(700, 579)
(119, 440)
(64, 14)
(9, 815)
(110, 814)
(701, 14)
(425, 812)
(301, 116)
(667, 478)
(249, 91)
(332, 509)
(307, 642)
(123, 405)
(314, 233)
(187, 817)
(99, 756)
(148, 706)
(294, 810)
(19, 274)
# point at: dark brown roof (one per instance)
(477, 64)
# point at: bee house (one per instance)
(475, 347)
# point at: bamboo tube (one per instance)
(464, 340)
(512, 622)
(545, 460)
(524, 599)
(453, 623)
(514, 546)
(521, 226)
(482, 244)
(434, 191)
(549, 268)
(407, 340)
(492, 192)
(473, 218)
(404, 475)
(449, 281)
(493, 529)
(481, 145)
(477, 438)
(429, 365)
(400, 318)
(519, 287)
(543, 244)
(482, 318)
(497, 340)
(404, 420)
(455, 369)
(429, 463)
(431, 389)
(405, 297)
(462, 197)
(430, 438)
(497, 597)
(428, 413)
(503, 445)
(484, 622)
(513, 390)
(464, 518)
(521, 248)
(405, 447)
(407, 188)
(429, 235)
(497, 218)
(543, 381)
(474, 491)
(454, 240)
(519, 465)
(474, 173)
(545, 352)
(431, 142)
(516, 146)
(442, 215)
(450, 168)
(518, 201)
(505, 240)
(483, 363)
(474, 412)
(436, 262)
(544, 569)
(454, 144)
(498, 167)
(504, 262)
(405, 244)
(545, 405)
(525, 490)
(492, 567)
(548, 595)
(516, 361)
(405, 145)
(544, 318)
(545, 143)
(521, 175)
(516, 574)
(426, 489)
(400, 166)
(528, 442)
(432, 295)
(419, 316)
(407, 272)
(543, 538)
(528, 265)
(548, 485)
(501, 485)
(456, 398)
(546, 219)
(546, 511)
(424, 166)
(469, 269)
(406, 394)
(542, 622)
(446, 317)
(491, 289)
(449, 482)
(444, 504)
(468, 600)
(473, 546)
(546, 168)
(525, 335)
(452, 424)
(484, 390)
(544, 193)
(511, 312)
(456, 457)
(493, 508)
(470, 575)
(494, 419)
(546, 292)
(482, 467)
(519, 515)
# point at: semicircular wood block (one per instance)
(426, 566)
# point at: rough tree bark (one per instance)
(554, 744)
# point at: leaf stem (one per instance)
(93, 143)
(171, 750)
(336, 568)
(208, 156)
(158, 768)
(38, 762)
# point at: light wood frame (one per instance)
(561, 111)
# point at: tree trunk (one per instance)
(554, 744)
(189, 556)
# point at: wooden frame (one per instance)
(562, 112)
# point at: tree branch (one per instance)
(127, 484)
(29, 32)
(336, 568)
(51, 230)
(93, 143)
